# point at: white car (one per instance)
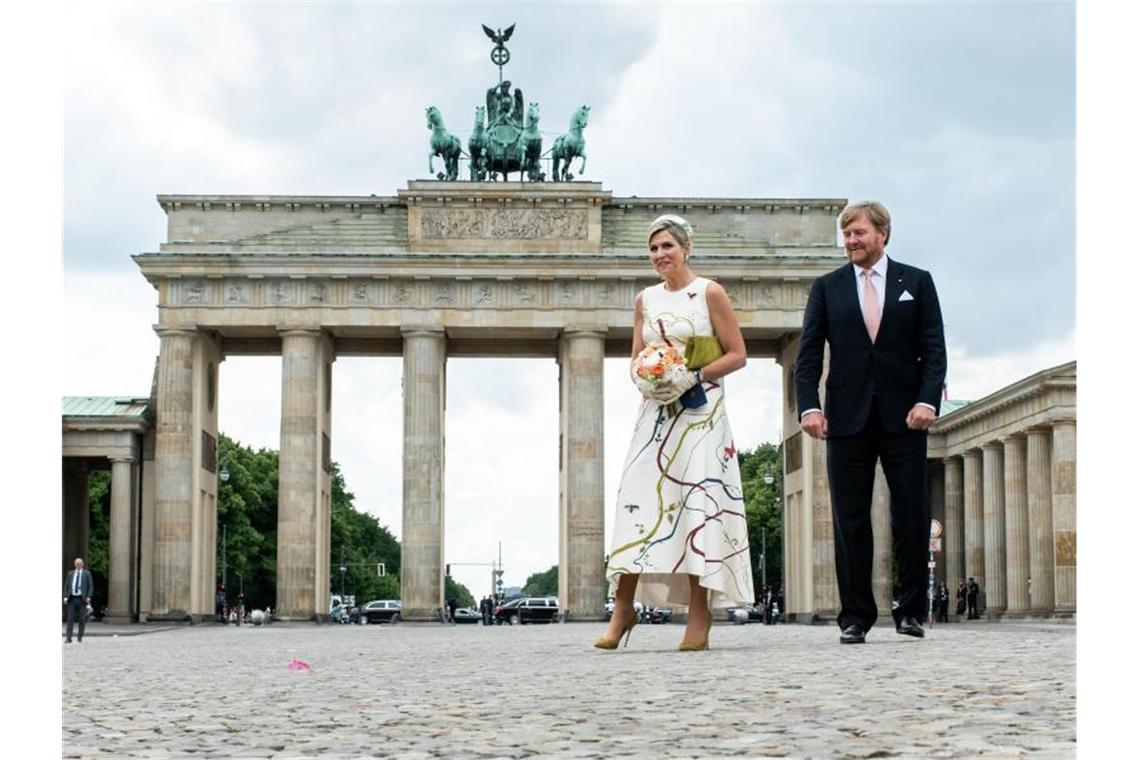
(637, 606)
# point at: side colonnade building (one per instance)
(1003, 481)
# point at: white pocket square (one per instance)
(906, 296)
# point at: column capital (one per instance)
(584, 331)
(423, 331)
(995, 445)
(1012, 438)
(167, 331)
(292, 330)
(973, 453)
(123, 458)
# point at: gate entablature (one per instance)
(471, 258)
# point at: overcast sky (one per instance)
(960, 117)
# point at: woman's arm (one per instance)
(638, 341)
(727, 330)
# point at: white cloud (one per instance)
(971, 377)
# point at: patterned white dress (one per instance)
(680, 505)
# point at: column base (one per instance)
(119, 618)
(425, 615)
(169, 616)
(300, 617)
(583, 617)
(810, 618)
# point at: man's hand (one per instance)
(815, 425)
(920, 417)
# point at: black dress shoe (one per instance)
(853, 634)
(909, 626)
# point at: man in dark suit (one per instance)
(77, 590)
(883, 325)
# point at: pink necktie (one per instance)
(871, 311)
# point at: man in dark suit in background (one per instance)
(77, 590)
(883, 324)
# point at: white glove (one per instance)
(668, 393)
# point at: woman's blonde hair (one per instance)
(677, 226)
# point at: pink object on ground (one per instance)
(296, 664)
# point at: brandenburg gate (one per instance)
(442, 268)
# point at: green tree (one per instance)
(360, 544)
(453, 589)
(99, 534)
(764, 509)
(542, 584)
(247, 521)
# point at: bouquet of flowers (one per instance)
(658, 364)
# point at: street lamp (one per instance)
(768, 480)
(342, 570)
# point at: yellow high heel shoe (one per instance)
(605, 642)
(697, 646)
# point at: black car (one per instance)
(660, 615)
(527, 609)
(381, 611)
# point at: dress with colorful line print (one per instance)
(680, 505)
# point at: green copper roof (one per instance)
(103, 406)
(951, 405)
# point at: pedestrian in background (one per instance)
(77, 590)
(961, 597)
(942, 602)
(972, 591)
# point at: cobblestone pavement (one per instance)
(967, 690)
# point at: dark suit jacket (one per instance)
(905, 365)
(86, 584)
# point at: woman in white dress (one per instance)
(680, 526)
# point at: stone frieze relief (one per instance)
(504, 224)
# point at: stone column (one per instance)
(993, 506)
(935, 475)
(1039, 481)
(299, 472)
(120, 578)
(76, 515)
(974, 520)
(882, 573)
(174, 475)
(954, 545)
(1065, 514)
(1016, 527)
(421, 559)
(582, 355)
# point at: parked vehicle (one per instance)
(381, 611)
(754, 613)
(660, 615)
(466, 615)
(527, 609)
(637, 607)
